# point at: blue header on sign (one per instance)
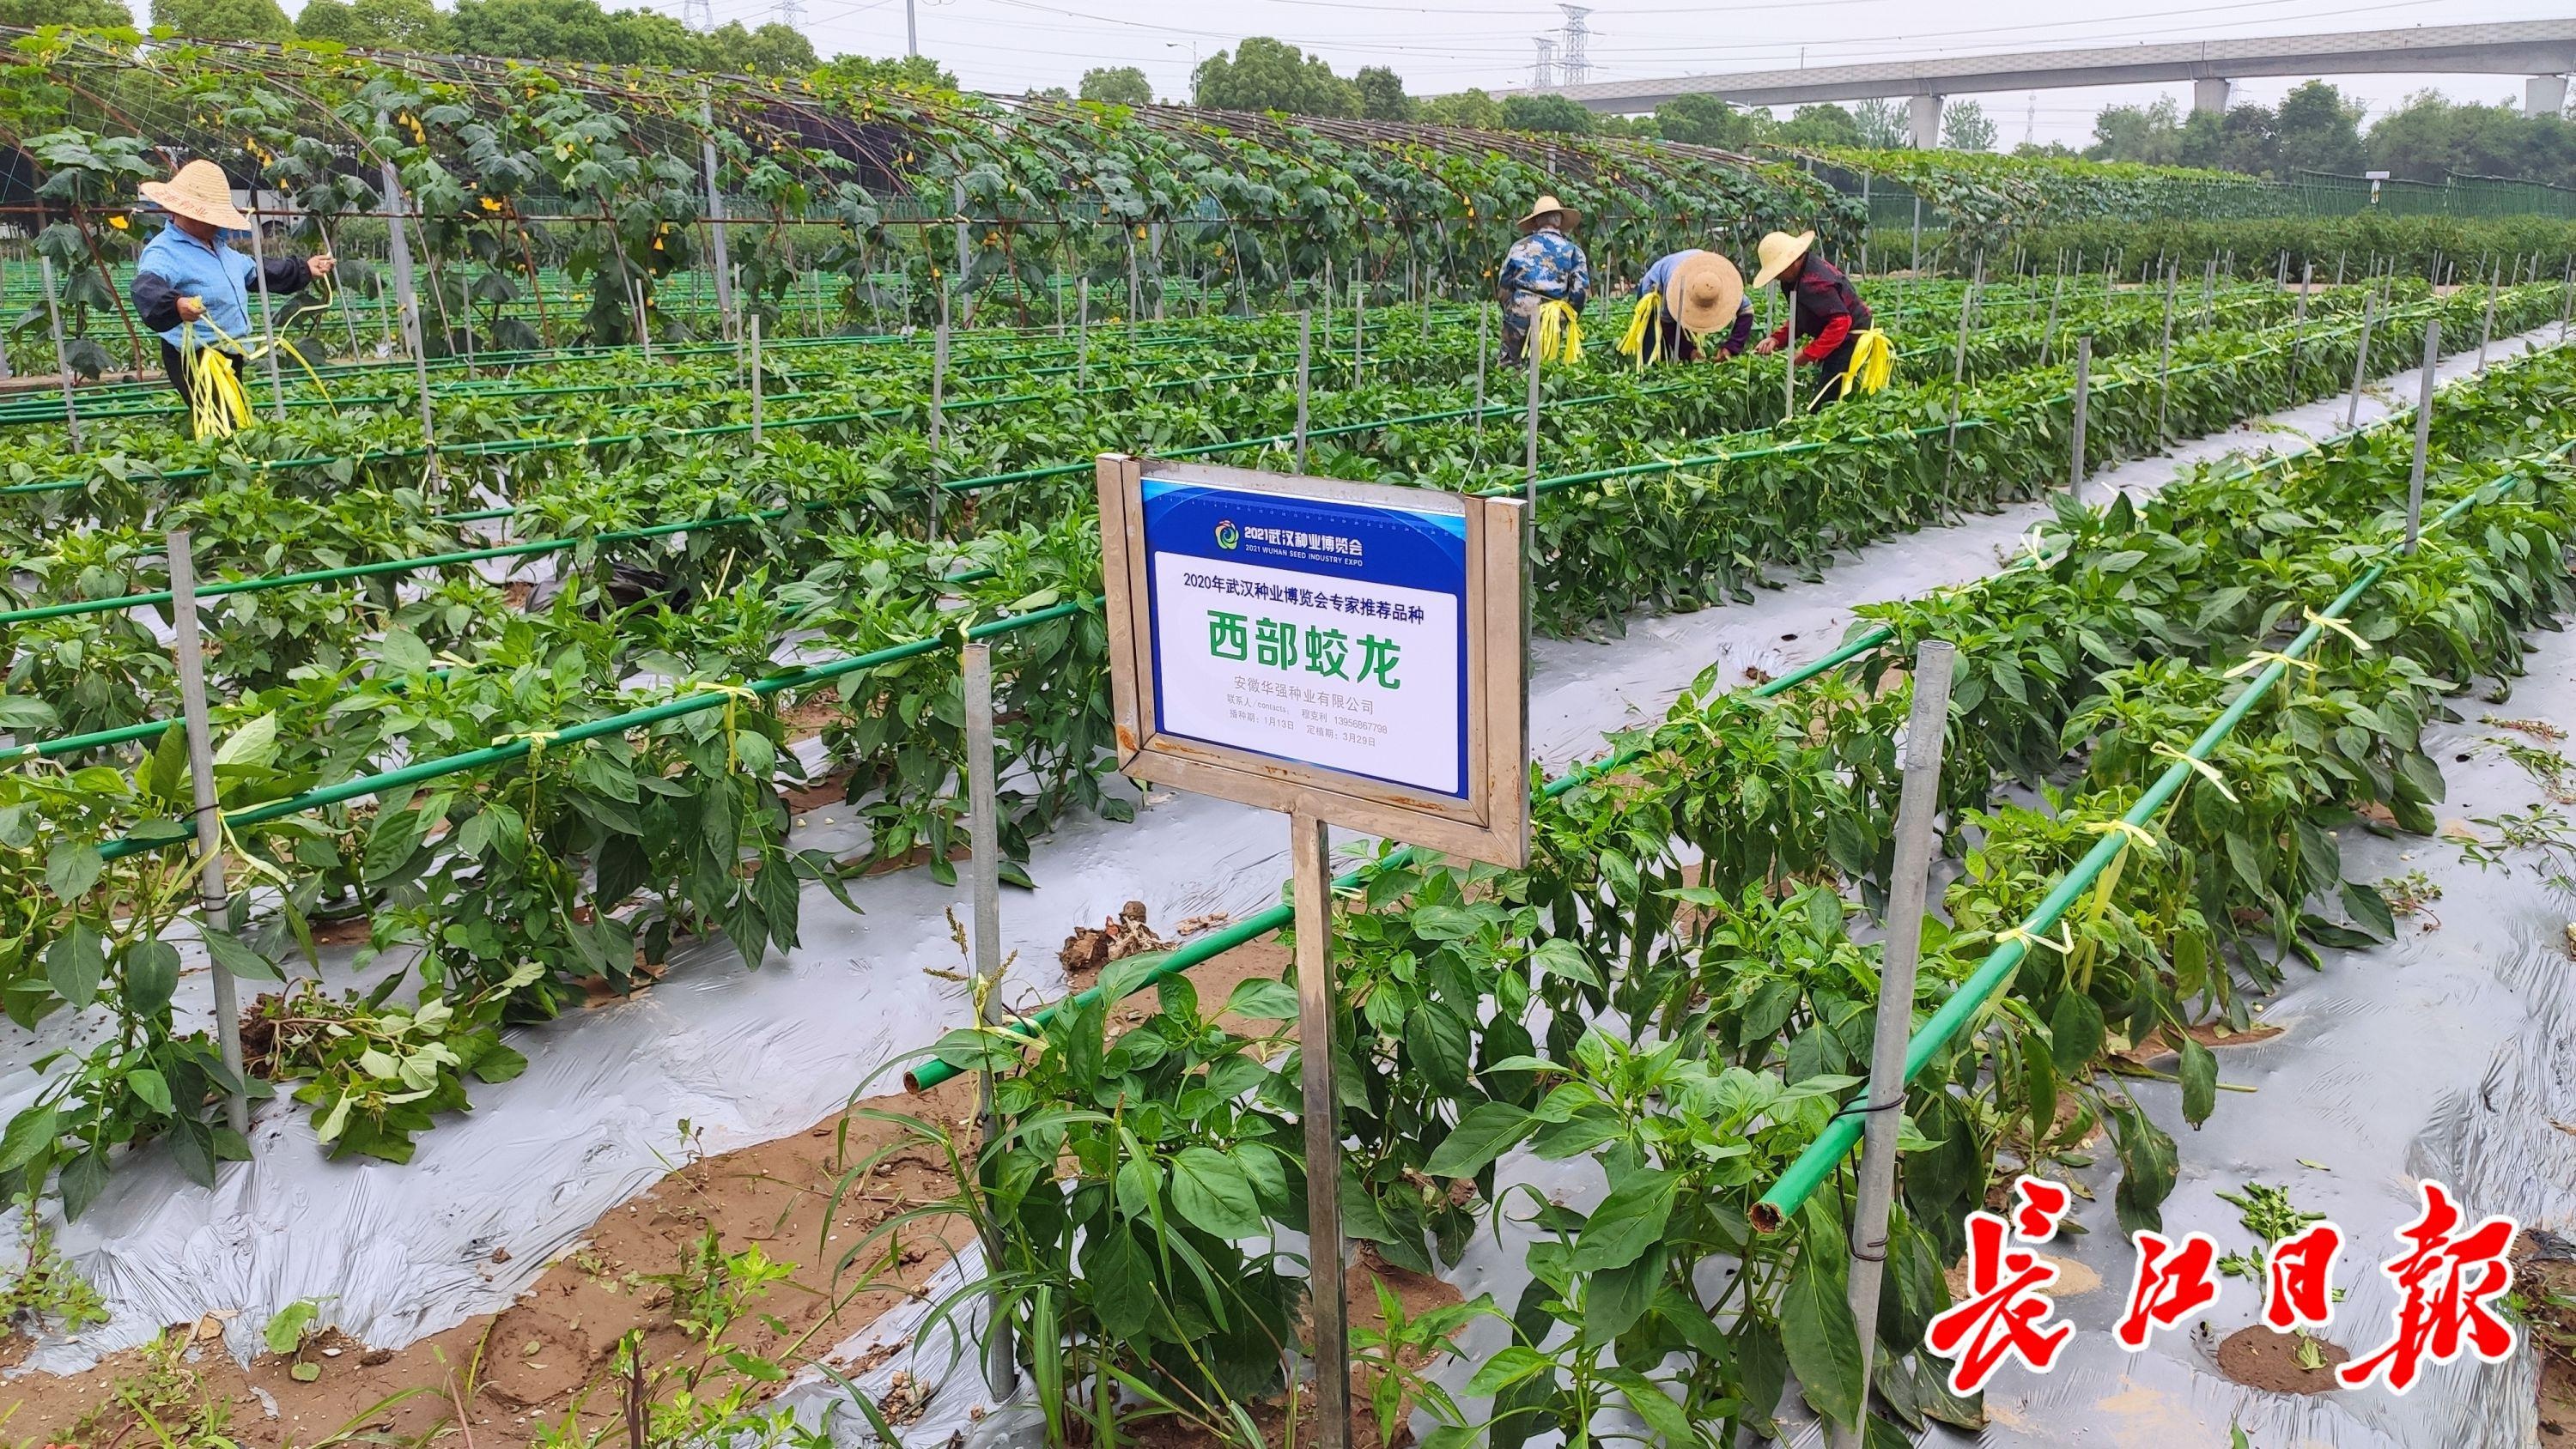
(1364, 541)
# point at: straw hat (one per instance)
(1703, 291)
(1547, 202)
(200, 193)
(1779, 251)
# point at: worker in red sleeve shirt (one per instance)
(1829, 315)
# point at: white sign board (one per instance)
(1352, 650)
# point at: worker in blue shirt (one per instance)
(1683, 298)
(191, 287)
(1543, 266)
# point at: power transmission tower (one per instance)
(698, 15)
(1576, 68)
(1543, 70)
(2030, 120)
(791, 13)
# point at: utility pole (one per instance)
(911, 31)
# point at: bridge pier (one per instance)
(1925, 113)
(2210, 94)
(2544, 95)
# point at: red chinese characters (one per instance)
(2005, 1316)
(2297, 1273)
(2447, 1282)
(2171, 1280)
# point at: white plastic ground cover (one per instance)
(399, 1252)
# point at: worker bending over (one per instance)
(1681, 301)
(1849, 355)
(195, 290)
(1544, 283)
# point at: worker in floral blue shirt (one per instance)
(1543, 266)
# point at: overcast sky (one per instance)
(1448, 45)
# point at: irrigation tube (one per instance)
(1824, 1156)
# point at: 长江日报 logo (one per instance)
(1227, 535)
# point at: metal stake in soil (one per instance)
(267, 315)
(1082, 334)
(2361, 358)
(189, 649)
(938, 391)
(2075, 429)
(2486, 331)
(2299, 321)
(2423, 432)
(2164, 356)
(1305, 356)
(1318, 1013)
(752, 330)
(62, 353)
(983, 825)
(1918, 800)
(1359, 328)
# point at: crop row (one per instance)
(1681, 988)
(700, 523)
(533, 829)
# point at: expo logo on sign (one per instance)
(2448, 1281)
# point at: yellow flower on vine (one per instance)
(118, 222)
(492, 205)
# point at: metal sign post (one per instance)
(1305, 367)
(1346, 654)
(1918, 800)
(62, 352)
(2423, 432)
(189, 655)
(983, 828)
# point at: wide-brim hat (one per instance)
(1703, 292)
(1548, 203)
(199, 192)
(1779, 251)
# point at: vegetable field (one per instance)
(578, 633)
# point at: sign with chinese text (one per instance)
(1286, 641)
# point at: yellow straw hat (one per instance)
(1703, 291)
(1779, 250)
(200, 193)
(1547, 203)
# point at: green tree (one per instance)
(1382, 96)
(1117, 85)
(28, 14)
(1884, 124)
(1466, 108)
(918, 71)
(377, 24)
(2319, 130)
(1820, 125)
(1546, 113)
(2430, 138)
(1263, 74)
(1704, 120)
(2150, 135)
(223, 19)
(572, 30)
(773, 49)
(1965, 126)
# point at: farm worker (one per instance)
(196, 291)
(1682, 298)
(1849, 354)
(1544, 283)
